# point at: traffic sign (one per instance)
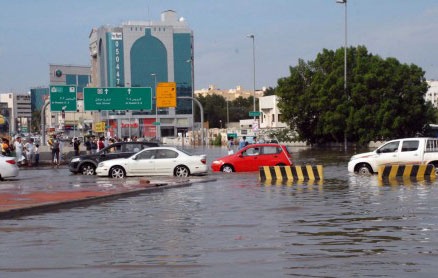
(166, 94)
(99, 127)
(156, 123)
(63, 98)
(254, 113)
(120, 98)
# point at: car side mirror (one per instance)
(378, 151)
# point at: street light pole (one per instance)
(156, 108)
(253, 63)
(192, 76)
(345, 59)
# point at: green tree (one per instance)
(215, 109)
(36, 121)
(384, 98)
(269, 92)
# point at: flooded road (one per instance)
(347, 226)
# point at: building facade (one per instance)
(20, 112)
(72, 123)
(432, 93)
(143, 54)
(270, 117)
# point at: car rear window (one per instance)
(271, 150)
(409, 146)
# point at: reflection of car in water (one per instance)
(253, 156)
(167, 161)
(86, 164)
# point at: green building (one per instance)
(143, 54)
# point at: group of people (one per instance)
(241, 144)
(25, 153)
(94, 144)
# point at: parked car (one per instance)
(167, 161)
(8, 167)
(86, 164)
(251, 157)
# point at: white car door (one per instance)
(409, 152)
(143, 164)
(388, 153)
(165, 161)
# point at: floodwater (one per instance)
(236, 226)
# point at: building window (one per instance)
(70, 79)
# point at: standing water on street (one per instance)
(234, 226)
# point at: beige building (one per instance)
(229, 94)
(21, 112)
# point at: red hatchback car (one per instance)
(252, 157)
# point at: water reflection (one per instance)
(237, 226)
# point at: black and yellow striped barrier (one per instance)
(284, 173)
(418, 171)
(406, 181)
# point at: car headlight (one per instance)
(75, 159)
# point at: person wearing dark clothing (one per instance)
(76, 144)
(54, 146)
(93, 146)
(37, 154)
(88, 145)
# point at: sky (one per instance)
(34, 34)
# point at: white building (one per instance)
(270, 114)
(432, 93)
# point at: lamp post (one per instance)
(253, 63)
(192, 75)
(156, 108)
(345, 59)
(228, 115)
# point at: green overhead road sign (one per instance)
(120, 98)
(254, 113)
(63, 98)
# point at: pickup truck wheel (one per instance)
(364, 169)
(87, 169)
(436, 167)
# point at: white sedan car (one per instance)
(155, 161)
(8, 167)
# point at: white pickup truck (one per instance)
(400, 151)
